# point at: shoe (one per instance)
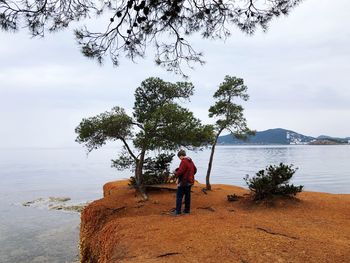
(174, 213)
(186, 213)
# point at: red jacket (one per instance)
(186, 171)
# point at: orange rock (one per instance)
(121, 227)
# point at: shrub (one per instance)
(273, 181)
(156, 170)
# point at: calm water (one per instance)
(30, 234)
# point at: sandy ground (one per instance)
(121, 227)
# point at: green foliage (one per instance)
(108, 126)
(228, 114)
(273, 181)
(154, 93)
(171, 126)
(156, 170)
(165, 124)
(158, 123)
(124, 161)
(133, 25)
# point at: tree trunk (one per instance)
(139, 175)
(207, 178)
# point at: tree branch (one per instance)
(135, 24)
(128, 148)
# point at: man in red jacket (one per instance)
(185, 174)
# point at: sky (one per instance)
(297, 73)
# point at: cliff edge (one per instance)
(121, 227)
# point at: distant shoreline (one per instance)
(284, 137)
(279, 144)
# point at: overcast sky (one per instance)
(298, 76)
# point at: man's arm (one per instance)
(180, 171)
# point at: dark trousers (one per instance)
(183, 191)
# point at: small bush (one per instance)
(156, 171)
(273, 181)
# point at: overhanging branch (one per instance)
(128, 148)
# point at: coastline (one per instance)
(122, 228)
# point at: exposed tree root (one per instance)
(159, 187)
(275, 233)
(207, 208)
(168, 254)
(117, 209)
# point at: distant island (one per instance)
(283, 137)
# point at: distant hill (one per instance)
(334, 139)
(277, 136)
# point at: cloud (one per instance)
(297, 75)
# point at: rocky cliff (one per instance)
(122, 228)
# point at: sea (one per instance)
(36, 233)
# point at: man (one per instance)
(185, 175)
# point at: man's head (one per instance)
(181, 154)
